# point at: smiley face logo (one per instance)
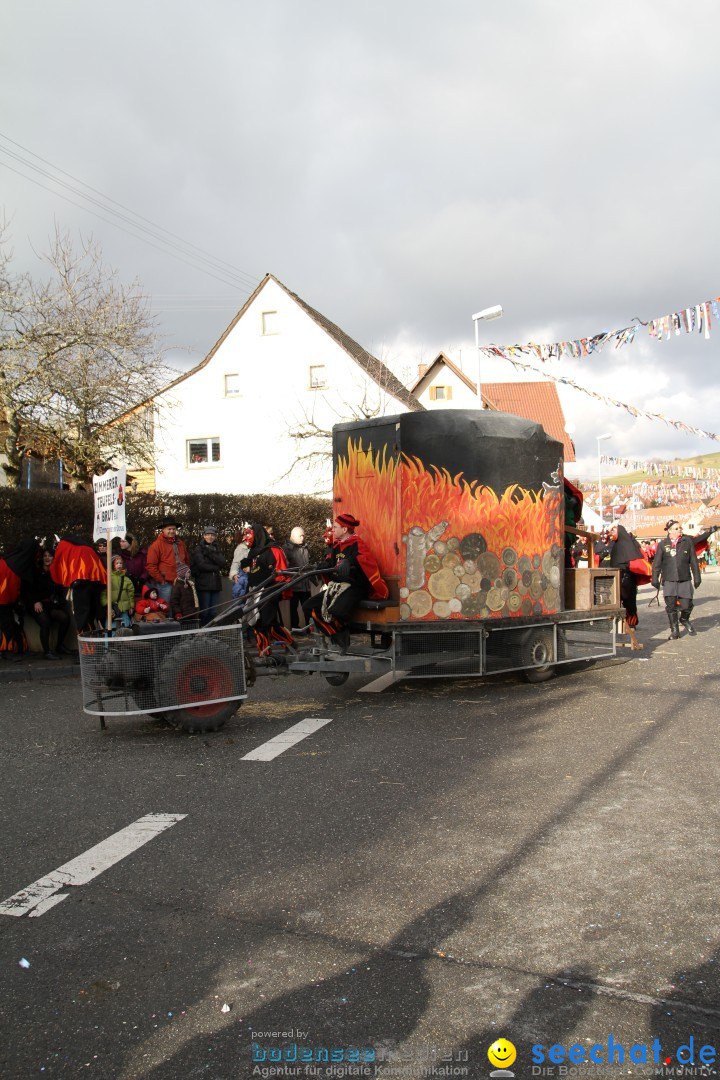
(502, 1053)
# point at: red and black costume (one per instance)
(17, 570)
(264, 565)
(624, 551)
(77, 565)
(349, 563)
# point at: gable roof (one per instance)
(537, 401)
(373, 367)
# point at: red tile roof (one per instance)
(536, 401)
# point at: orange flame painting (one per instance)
(456, 548)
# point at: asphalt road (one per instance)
(437, 867)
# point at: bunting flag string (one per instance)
(662, 468)
(698, 318)
(678, 424)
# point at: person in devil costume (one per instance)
(78, 567)
(264, 564)
(675, 563)
(353, 573)
(624, 549)
(17, 571)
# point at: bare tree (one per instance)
(78, 352)
(314, 438)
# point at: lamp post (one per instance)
(601, 438)
(485, 314)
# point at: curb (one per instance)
(30, 673)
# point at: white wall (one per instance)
(462, 397)
(275, 397)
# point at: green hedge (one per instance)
(42, 513)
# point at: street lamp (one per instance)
(601, 438)
(486, 313)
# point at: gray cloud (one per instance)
(400, 165)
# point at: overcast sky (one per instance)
(400, 165)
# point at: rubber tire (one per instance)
(338, 678)
(537, 644)
(179, 664)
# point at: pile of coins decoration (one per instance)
(459, 578)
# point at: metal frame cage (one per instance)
(192, 678)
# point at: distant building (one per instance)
(443, 385)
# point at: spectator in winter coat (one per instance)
(164, 556)
(241, 551)
(46, 604)
(205, 565)
(298, 558)
(184, 600)
(150, 607)
(122, 593)
(134, 558)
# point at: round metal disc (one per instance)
(509, 556)
(523, 564)
(442, 585)
(420, 603)
(472, 545)
(495, 600)
(489, 565)
(514, 602)
(432, 563)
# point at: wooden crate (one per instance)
(592, 587)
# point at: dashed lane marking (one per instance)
(274, 747)
(45, 893)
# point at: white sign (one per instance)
(109, 492)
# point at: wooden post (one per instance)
(108, 557)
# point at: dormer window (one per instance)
(440, 393)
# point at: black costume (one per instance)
(676, 564)
(623, 551)
(264, 559)
(44, 591)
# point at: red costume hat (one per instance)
(347, 521)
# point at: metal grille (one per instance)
(521, 647)
(152, 671)
(438, 655)
(593, 638)
(603, 591)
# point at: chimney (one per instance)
(422, 369)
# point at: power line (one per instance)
(164, 236)
(135, 235)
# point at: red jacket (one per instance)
(161, 564)
(146, 605)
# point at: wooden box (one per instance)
(592, 587)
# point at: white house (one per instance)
(249, 417)
(443, 385)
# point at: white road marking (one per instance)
(280, 743)
(40, 896)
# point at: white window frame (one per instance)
(269, 325)
(209, 441)
(231, 375)
(312, 385)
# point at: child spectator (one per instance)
(184, 599)
(122, 593)
(150, 608)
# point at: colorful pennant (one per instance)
(678, 424)
(698, 318)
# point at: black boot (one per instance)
(673, 620)
(685, 620)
